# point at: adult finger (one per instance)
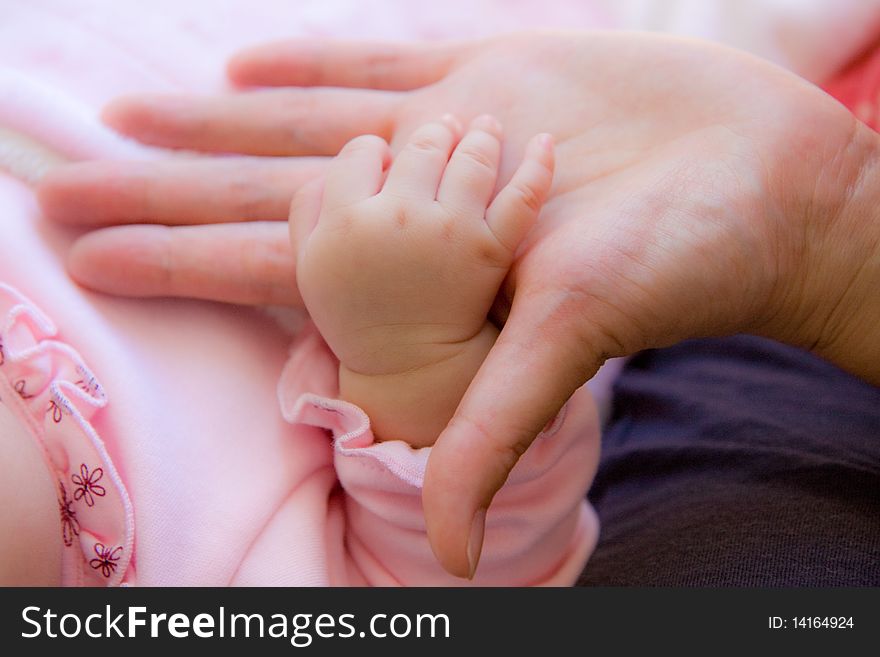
(183, 191)
(537, 363)
(305, 210)
(339, 63)
(267, 122)
(235, 263)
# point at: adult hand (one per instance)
(699, 191)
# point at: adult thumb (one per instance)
(538, 361)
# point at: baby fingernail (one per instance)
(453, 123)
(540, 147)
(488, 123)
(545, 141)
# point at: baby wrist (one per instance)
(415, 405)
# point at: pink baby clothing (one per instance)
(353, 512)
(47, 386)
(159, 421)
(539, 530)
(178, 468)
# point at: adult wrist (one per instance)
(829, 301)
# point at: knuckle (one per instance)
(400, 216)
(423, 144)
(430, 138)
(167, 257)
(505, 454)
(399, 204)
(479, 156)
(494, 254)
(526, 196)
(251, 198)
(447, 228)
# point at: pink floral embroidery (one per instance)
(19, 388)
(56, 411)
(87, 486)
(69, 523)
(106, 560)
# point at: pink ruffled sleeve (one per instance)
(539, 530)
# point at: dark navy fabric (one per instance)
(738, 462)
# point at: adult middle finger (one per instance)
(176, 191)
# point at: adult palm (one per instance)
(694, 193)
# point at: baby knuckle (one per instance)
(430, 138)
(400, 217)
(447, 228)
(479, 157)
(386, 218)
(423, 144)
(494, 253)
(526, 196)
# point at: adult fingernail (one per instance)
(475, 541)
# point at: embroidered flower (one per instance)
(56, 411)
(19, 388)
(69, 523)
(106, 560)
(87, 486)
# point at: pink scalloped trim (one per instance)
(53, 393)
(306, 393)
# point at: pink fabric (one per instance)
(46, 384)
(539, 530)
(192, 424)
(217, 484)
(351, 511)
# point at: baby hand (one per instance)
(399, 266)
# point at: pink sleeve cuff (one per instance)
(539, 529)
(353, 438)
